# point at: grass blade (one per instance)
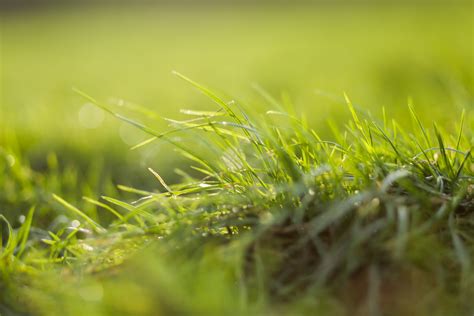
(75, 210)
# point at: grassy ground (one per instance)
(248, 206)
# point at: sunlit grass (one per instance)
(269, 218)
(123, 192)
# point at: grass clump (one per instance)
(269, 218)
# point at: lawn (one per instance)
(241, 160)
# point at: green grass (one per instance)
(380, 56)
(339, 182)
(270, 218)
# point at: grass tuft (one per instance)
(358, 223)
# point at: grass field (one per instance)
(318, 161)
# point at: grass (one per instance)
(379, 55)
(270, 218)
(294, 199)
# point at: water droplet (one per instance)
(75, 223)
(375, 202)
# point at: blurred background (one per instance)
(121, 52)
